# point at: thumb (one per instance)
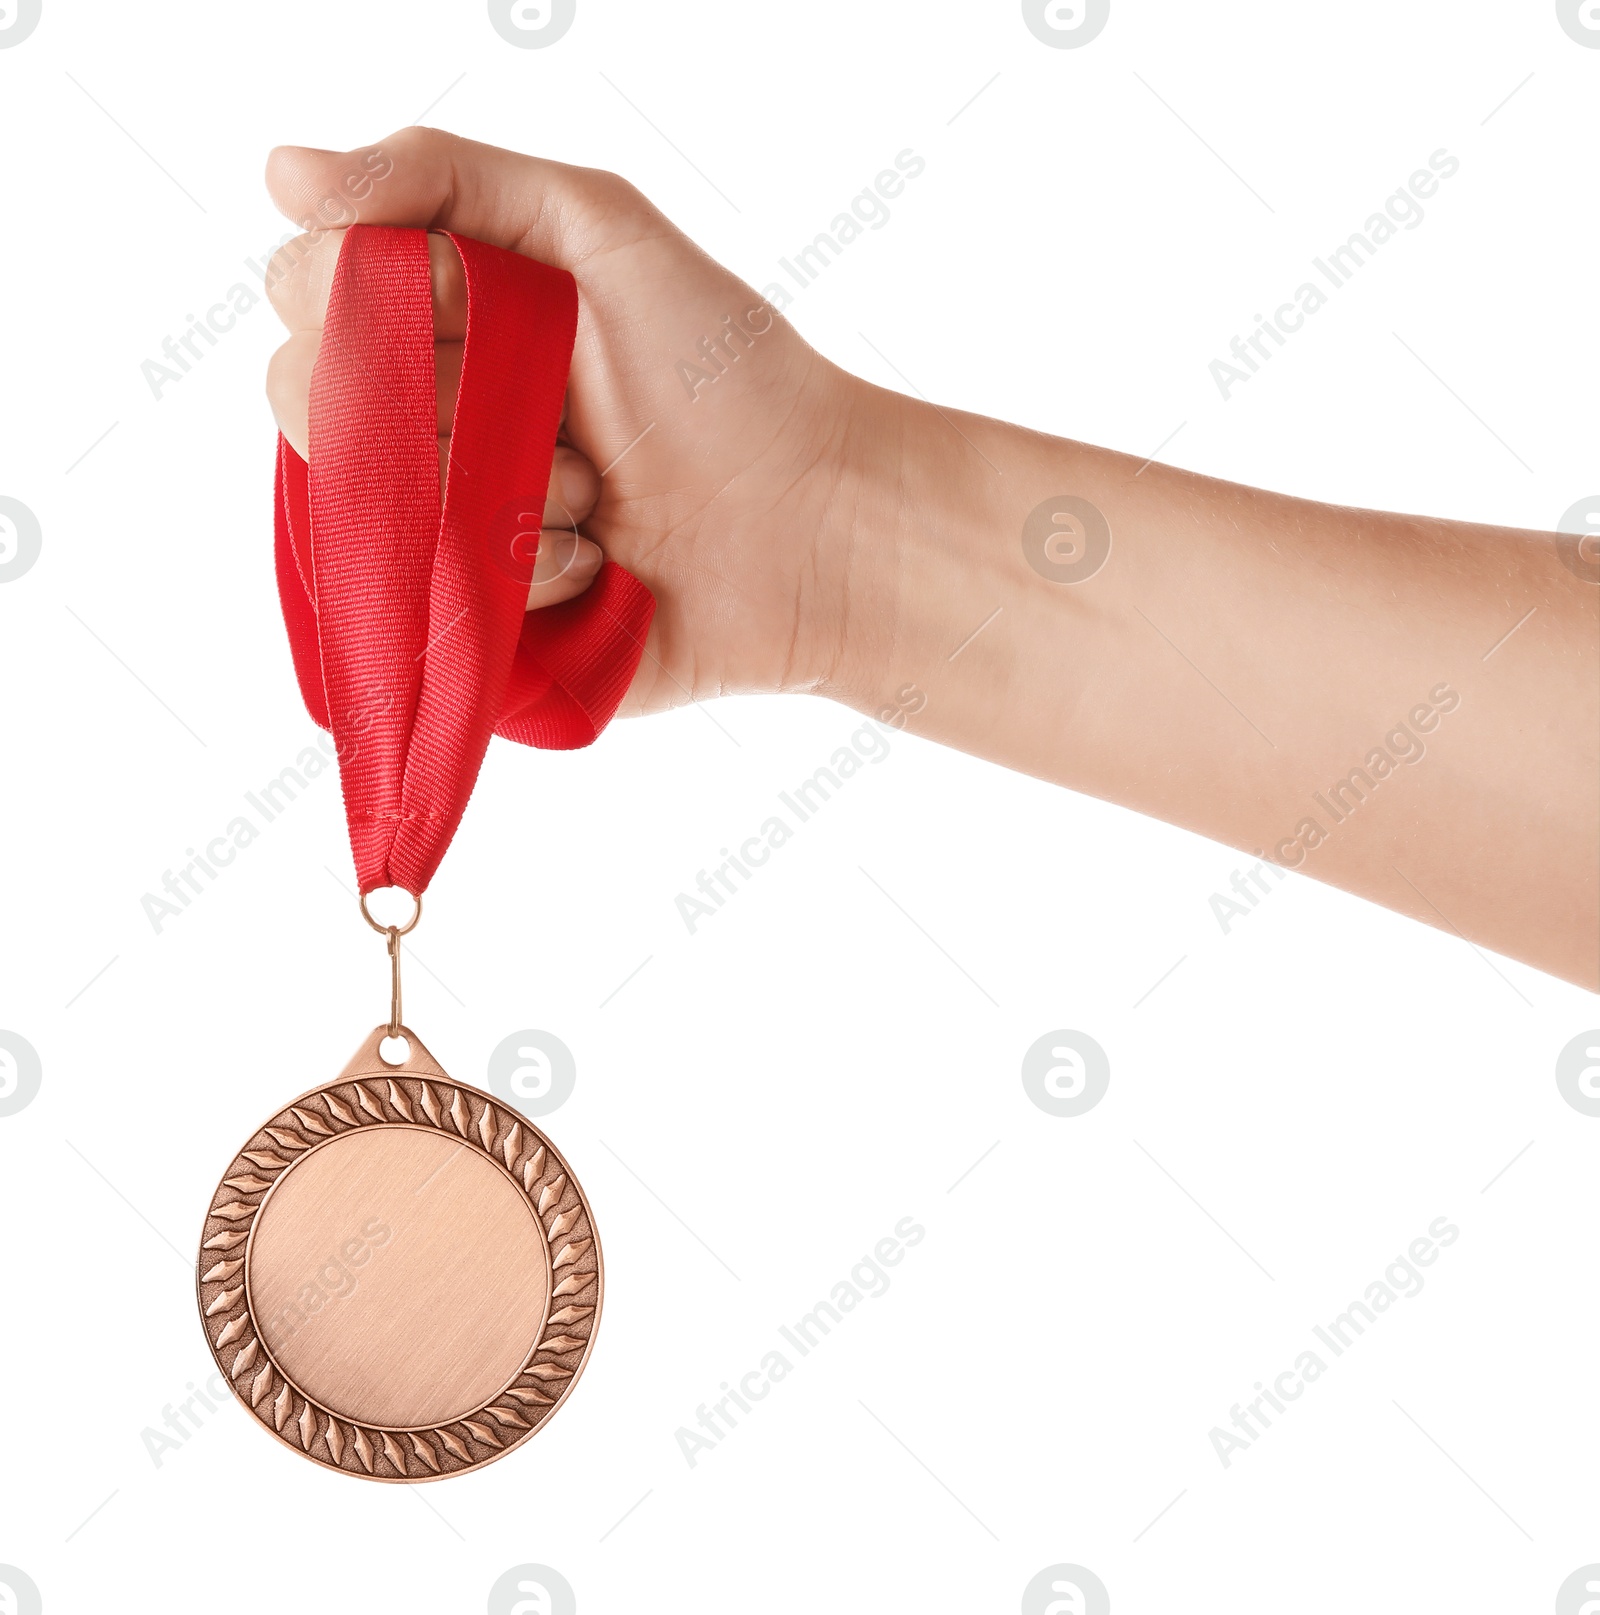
(426, 178)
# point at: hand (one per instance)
(719, 495)
(1233, 658)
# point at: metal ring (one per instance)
(397, 930)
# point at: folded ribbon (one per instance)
(406, 613)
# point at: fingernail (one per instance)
(556, 554)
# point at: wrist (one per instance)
(898, 549)
(939, 623)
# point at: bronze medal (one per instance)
(399, 1276)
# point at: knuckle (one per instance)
(417, 141)
(612, 189)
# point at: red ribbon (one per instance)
(407, 623)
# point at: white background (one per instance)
(810, 1067)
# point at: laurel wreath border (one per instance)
(430, 1452)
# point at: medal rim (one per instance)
(350, 1075)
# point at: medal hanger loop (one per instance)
(394, 981)
(402, 930)
(392, 935)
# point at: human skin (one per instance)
(1238, 653)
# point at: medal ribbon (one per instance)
(406, 613)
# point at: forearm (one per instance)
(1330, 689)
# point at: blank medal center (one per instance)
(398, 1277)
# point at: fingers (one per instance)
(574, 487)
(300, 277)
(425, 177)
(289, 389)
(289, 386)
(566, 566)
